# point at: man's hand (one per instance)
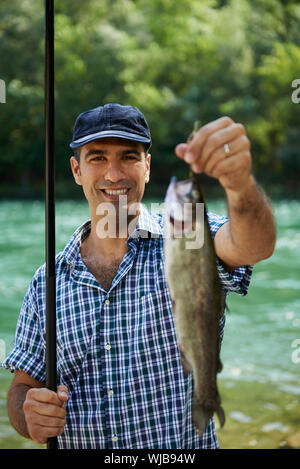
(206, 154)
(250, 234)
(45, 412)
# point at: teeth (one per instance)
(115, 192)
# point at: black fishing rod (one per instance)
(51, 381)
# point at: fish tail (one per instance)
(221, 415)
(203, 413)
(185, 366)
(201, 416)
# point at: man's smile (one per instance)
(114, 194)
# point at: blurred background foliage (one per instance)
(176, 61)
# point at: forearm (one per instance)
(15, 400)
(252, 228)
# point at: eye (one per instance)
(129, 157)
(97, 158)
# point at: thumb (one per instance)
(180, 149)
(63, 393)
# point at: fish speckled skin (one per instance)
(198, 303)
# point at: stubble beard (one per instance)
(116, 219)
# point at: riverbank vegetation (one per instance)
(176, 61)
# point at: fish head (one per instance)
(180, 204)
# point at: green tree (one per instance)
(177, 61)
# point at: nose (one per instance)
(113, 172)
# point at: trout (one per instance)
(197, 294)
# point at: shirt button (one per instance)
(115, 438)
(106, 302)
(108, 347)
(110, 392)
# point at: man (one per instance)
(121, 383)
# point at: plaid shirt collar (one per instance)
(145, 224)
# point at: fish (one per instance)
(197, 294)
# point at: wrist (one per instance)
(245, 193)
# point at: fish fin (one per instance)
(223, 305)
(226, 308)
(201, 416)
(202, 413)
(185, 364)
(221, 415)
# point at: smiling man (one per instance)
(113, 172)
(121, 383)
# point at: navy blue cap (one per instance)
(111, 120)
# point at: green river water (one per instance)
(259, 384)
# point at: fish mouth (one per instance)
(180, 226)
(181, 203)
(181, 192)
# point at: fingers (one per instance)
(50, 397)
(206, 149)
(235, 146)
(217, 140)
(45, 412)
(46, 421)
(41, 426)
(44, 395)
(49, 410)
(63, 394)
(180, 150)
(206, 154)
(40, 434)
(200, 139)
(232, 165)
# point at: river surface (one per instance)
(259, 384)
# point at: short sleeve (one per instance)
(237, 280)
(28, 353)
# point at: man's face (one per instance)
(111, 167)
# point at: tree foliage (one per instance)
(176, 61)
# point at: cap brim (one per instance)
(109, 133)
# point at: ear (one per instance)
(76, 170)
(147, 173)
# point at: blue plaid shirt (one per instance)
(117, 350)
